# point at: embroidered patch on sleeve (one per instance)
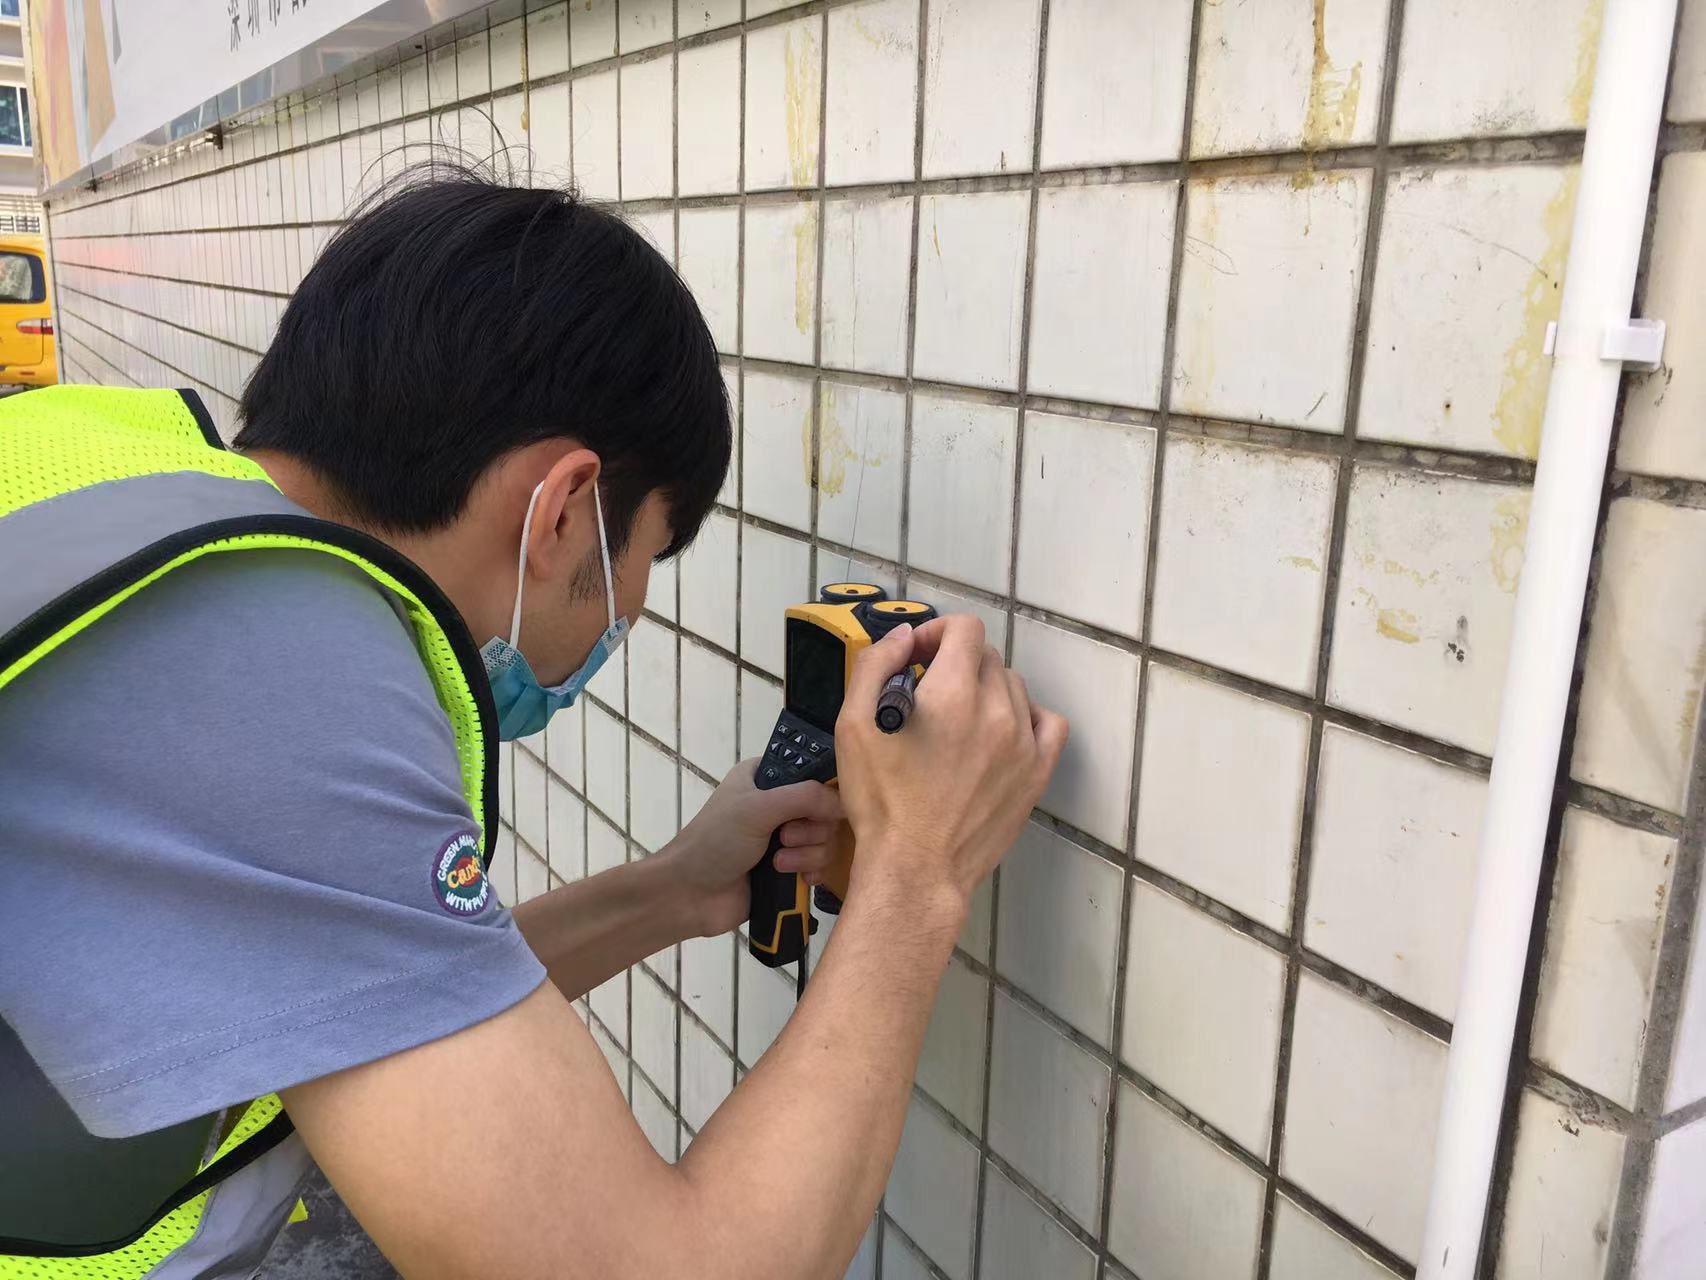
(458, 880)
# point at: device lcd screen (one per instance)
(816, 674)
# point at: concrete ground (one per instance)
(329, 1246)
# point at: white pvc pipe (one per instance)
(1611, 211)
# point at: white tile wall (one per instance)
(1602, 952)
(1267, 296)
(1361, 1112)
(1563, 1193)
(1240, 573)
(1210, 1046)
(1182, 1208)
(1201, 739)
(1439, 622)
(1048, 1100)
(1287, 75)
(1675, 1231)
(1035, 513)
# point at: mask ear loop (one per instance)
(521, 565)
(604, 554)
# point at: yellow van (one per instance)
(26, 314)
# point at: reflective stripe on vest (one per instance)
(104, 491)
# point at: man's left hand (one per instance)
(728, 836)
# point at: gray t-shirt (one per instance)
(235, 856)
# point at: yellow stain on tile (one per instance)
(1521, 406)
(1587, 61)
(1330, 113)
(836, 451)
(1689, 714)
(805, 269)
(1304, 562)
(1395, 624)
(1398, 569)
(800, 98)
(1508, 532)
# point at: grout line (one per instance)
(1152, 550)
(1304, 837)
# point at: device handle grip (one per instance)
(781, 917)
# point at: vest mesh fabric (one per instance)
(62, 439)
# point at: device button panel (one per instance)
(798, 752)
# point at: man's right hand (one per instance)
(935, 806)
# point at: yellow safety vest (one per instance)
(102, 492)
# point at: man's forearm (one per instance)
(787, 1173)
(589, 931)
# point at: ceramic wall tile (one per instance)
(1427, 594)
(1259, 250)
(1641, 692)
(1182, 1209)
(1305, 1248)
(1239, 571)
(766, 998)
(592, 30)
(1202, 739)
(1114, 85)
(565, 831)
(647, 128)
(1673, 1234)
(784, 100)
(1361, 1112)
(655, 1120)
(607, 762)
(530, 799)
(871, 92)
(654, 1030)
(971, 281)
(707, 984)
(707, 1074)
(1471, 263)
(549, 135)
(1288, 76)
(709, 603)
(708, 712)
(962, 457)
(760, 704)
(867, 248)
(775, 573)
(950, 1069)
(1202, 1014)
(776, 435)
(644, 23)
(592, 102)
(1099, 297)
(708, 119)
(651, 680)
(1563, 1193)
(779, 304)
(933, 1189)
(861, 467)
(1688, 69)
(1058, 938)
(1094, 686)
(1474, 70)
(1656, 438)
(1392, 875)
(980, 84)
(709, 261)
(696, 16)
(1602, 952)
(1021, 1241)
(655, 804)
(1048, 1102)
(547, 44)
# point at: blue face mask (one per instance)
(524, 705)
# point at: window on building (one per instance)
(9, 9)
(14, 115)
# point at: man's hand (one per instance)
(725, 840)
(936, 805)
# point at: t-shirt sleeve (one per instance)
(235, 850)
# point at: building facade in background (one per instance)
(20, 211)
(1197, 347)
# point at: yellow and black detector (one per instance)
(822, 640)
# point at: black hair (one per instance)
(455, 318)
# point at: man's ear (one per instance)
(565, 514)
